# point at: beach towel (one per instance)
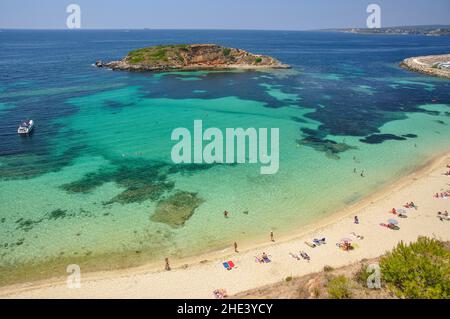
(319, 242)
(310, 244)
(297, 257)
(228, 265)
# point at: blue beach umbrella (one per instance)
(393, 221)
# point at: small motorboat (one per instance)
(26, 127)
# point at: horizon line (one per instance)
(213, 29)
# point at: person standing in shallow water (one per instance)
(225, 214)
(167, 265)
(271, 237)
(235, 247)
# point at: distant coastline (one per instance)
(437, 30)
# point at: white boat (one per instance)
(26, 127)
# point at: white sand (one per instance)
(199, 280)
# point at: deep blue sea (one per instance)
(93, 179)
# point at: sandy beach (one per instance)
(200, 279)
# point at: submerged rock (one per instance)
(329, 147)
(141, 180)
(57, 214)
(176, 209)
(151, 191)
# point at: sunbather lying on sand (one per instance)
(263, 259)
(345, 246)
(305, 256)
(319, 242)
(400, 213)
(443, 216)
(220, 293)
(357, 236)
(390, 226)
(294, 256)
(410, 205)
(307, 243)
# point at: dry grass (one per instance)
(317, 285)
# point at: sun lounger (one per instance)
(266, 260)
(390, 226)
(357, 236)
(305, 256)
(321, 241)
(297, 257)
(310, 244)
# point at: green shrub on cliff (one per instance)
(226, 51)
(420, 270)
(339, 288)
(153, 54)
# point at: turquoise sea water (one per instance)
(87, 184)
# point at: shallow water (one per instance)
(86, 184)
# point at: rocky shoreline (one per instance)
(190, 58)
(428, 65)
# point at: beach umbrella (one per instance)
(393, 221)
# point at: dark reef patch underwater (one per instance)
(380, 138)
(176, 209)
(141, 179)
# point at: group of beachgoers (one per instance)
(346, 244)
(442, 195)
(302, 255)
(362, 172)
(443, 216)
(448, 172)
